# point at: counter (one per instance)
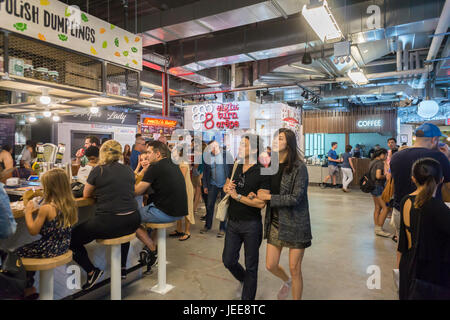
(317, 173)
(70, 278)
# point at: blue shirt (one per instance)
(7, 222)
(218, 177)
(346, 164)
(333, 155)
(134, 159)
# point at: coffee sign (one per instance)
(67, 26)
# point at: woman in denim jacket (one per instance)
(287, 222)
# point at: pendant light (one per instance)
(306, 59)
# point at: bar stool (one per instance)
(45, 267)
(116, 254)
(162, 287)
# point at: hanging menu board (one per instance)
(66, 26)
(7, 130)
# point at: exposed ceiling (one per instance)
(266, 41)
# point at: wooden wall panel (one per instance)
(346, 121)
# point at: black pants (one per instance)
(249, 233)
(102, 227)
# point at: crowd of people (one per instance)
(158, 184)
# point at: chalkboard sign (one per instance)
(7, 130)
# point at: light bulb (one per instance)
(45, 99)
(93, 109)
(56, 118)
(47, 114)
(32, 119)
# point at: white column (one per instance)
(46, 284)
(116, 278)
(162, 287)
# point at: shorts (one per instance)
(378, 191)
(333, 170)
(151, 214)
(273, 240)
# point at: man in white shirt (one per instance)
(92, 153)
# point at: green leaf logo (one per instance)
(84, 17)
(112, 26)
(134, 50)
(125, 53)
(20, 26)
(116, 42)
(127, 65)
(62, 37)
(105, 44)
(67, 13)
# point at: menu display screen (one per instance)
(7, 129)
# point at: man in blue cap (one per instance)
(425, 146)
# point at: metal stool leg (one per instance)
(116, 279)
(162, 287)
(46, 284)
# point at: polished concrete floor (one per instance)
(334, 267)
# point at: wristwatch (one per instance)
(239, 196)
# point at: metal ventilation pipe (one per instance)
(441, 28)
(399, 55)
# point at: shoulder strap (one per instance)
(234, 169)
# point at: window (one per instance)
(314, 144)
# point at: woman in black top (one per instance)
(112, 184)
(287, 216)
(244, 217)
(424, 220)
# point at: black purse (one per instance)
(77, 189)
(13, 276)
(421, 289)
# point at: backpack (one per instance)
(13, 277)
(366, 184)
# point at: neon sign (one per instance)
(370, 123)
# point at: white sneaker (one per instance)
(239, 291)
(284, 290)
(380, 232)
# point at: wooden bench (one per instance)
(162, 287)
(45, 267)
(116, 278)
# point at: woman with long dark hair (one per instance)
(126, 155)
(244, 217)
(287, 223)
(424, 238)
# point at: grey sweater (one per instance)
(292, 205)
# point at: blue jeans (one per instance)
(7, 222)
(213, 191)
(249, 233)
(151, 214)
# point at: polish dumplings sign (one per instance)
(66, 26)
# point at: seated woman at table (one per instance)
(112, 184)
(141, 168)
(92, 154)
(56, 214)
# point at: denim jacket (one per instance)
(7, 222)
(293, 208)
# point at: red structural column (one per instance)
(165, 95)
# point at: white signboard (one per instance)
(218, 116)
(369, 123)
(66, 26)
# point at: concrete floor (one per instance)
(334, 267)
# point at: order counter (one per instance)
(317, 173)
(68, 279)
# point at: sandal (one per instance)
(176, 234)
(184, 237)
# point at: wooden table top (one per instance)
(81, 202)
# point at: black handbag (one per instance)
(421, 289)
(77, 189)
(13, 276)
(366, 184)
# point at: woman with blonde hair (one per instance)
(112, 184)
(56, 214)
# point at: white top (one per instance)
(83, 173)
